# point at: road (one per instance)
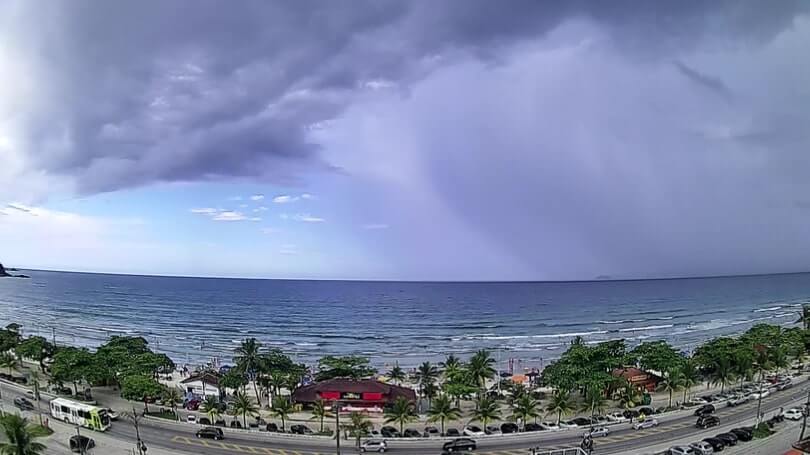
(181, 438)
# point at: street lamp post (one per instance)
(139, 444)
(82, 447)
(336, 408)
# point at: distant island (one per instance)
(4, 273)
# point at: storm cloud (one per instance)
(542, 139)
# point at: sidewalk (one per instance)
(57, 443)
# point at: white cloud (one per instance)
(375, 226)
(303, 217)
(235, 198)
(204, 211)
(284, 199)
(269, 231)
(257, 197)
(228, 215)
(307, 196)
(243, 206)
(260, 209)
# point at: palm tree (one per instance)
(671, 383)
(560, 404)
(804, 317)
(248, 357)
(486, 410)
(171, 395)
(211, 407)
(20, 436)
(359, 425)
(525, 408)
(401, 412)
(691, 377)
(721, 373)
(452, 366)
(8, 360)
(243, 406)
(629, 397)
(282, 408)
(743, 366)
(443, 410)
(481, 367)
(594, 401)
(320, 412)
(426, 376)
(397, 374)
(779, 358)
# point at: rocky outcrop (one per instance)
(4, 273)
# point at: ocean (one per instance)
(194, 320)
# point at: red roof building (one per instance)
(638, 378)
(363, 393)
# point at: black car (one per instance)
(729, 439)
(647, 411)
(509, 427)
(389, 432)
(300, 429)
(79, 443)
(431, 431)
(459, 445)
(743, 434)
(717, 444)
(452, 432)
(210, 433)
(411, 433)
(270, 427)
(582, 421)
(531, 426)
(23, 404)
(707, 421)
(704, 410)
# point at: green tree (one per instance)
(672, 382)
(171, 396)
(211, 407)
(35, 348)
(560, 404)
(401, 412)
(594, 401)
(486, 410)
(10, 337)
(141, 388)
(8, 360)
(354, 367)
(243, 406)
(743, 364)
(524, 408)
(247, 358)
(73, 365)
(396, 375)
(20, 436)
(282, 408)
(722, 373)
(691, 377)
(481, 368)
(629, 396)
(359, 425)
(460, 386)
(452, 368)
(804, 317)
(234, 380)
(657, 355)
(443, 410)
(320, 412)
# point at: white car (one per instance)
(702, 448)
(617, 417)
(648, 423)
(760, 394)
(737, 400)
(596, 432)
(568, 424)
(681, 450)
(374, 445)
(549, 426)
(191, 418)
(793, 414)
(472, 430)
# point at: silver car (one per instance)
(374, 445)
(596, 432)
(649, 423)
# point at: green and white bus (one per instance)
(81, 414)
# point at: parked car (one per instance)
(191, 418)
(23, 404)
(581, 421)
(531, 426)
(204, 421)
(431, 432)
(80, 443)
(702, 448)
(210, 433)
(389, 432)
(509, 427)
(411, 433)
(681, 450)
(459, 445)
(646, 410)
(743, 433)
(111, 414)
(729, 439)
(374, 445)
(717, 444)
(192, 405)
(647, 423)
(617, 417)
(761, 393)
(568, 424)
(793, 414)
(736, 400)
(492, 429)
(452, 432)
(549, 426)
(271, 427)
(597, 432)
(300, 429)
(472, 430)
(707, 421)
(705, 410)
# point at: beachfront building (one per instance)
(354, 395)
(202, 384)
(644, 380)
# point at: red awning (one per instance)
(330, 395)
(372, 396)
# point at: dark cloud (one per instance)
(139, 92)
(713, 84)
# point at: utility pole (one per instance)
(53, 335)
(804, 415)
(336, 408)
(79, 441)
